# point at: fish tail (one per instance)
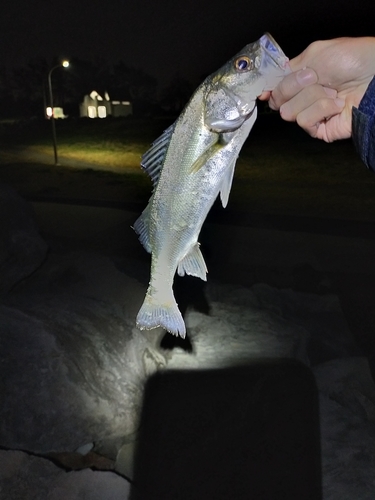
(165, 314)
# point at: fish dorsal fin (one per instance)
(193, 264)
(153, 159)
(227, 183)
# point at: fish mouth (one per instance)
(273, 51)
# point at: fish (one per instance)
(190, 165)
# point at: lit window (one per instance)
(49, 111)
(91, 111)
(102, 112)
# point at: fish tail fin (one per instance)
(165, 314)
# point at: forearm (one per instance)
(363, 127)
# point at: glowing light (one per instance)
(58, 113)
(65, 64)
(102, 111)
(91, 111)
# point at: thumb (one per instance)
(298, 62)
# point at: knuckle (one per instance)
(287, 114)
(314, 47)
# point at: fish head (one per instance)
(234, 88)
(257, 67)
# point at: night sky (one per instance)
(189, 38)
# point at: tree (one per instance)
(176, 94)
(134, 84)
(85, 76)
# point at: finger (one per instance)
(264, 96)
(291, 85)
(304, 99)
(319, 112)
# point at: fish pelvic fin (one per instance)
(141, 227)
(193, 264)
(226, 184)
(154, 314)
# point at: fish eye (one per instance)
(244, 63)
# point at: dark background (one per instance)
(168, 37)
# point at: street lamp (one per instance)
(65, 64)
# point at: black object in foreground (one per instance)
(248, 432)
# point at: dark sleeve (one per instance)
(363, 127)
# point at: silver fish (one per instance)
(190, 164)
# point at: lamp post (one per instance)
(65, 64)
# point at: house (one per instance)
(57, 112)
(95, 106)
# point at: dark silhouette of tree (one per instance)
(6, 97)
(85, 76)
(27, 86)
(176, 95)
(134, 84)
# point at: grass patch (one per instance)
(117, 157)
(280, 169)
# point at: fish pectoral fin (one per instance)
(193, 264)
(227, 183)
(204, 157)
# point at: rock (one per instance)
(347, 417)
(22, 250)
(348, 381)
(124, 464)
(72, 364)
(76, 461)
(261, 321)
(348, 449)
(25, 476)
(320, 315)
(85, 448)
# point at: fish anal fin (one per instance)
(193, 264)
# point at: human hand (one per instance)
(327, 80)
